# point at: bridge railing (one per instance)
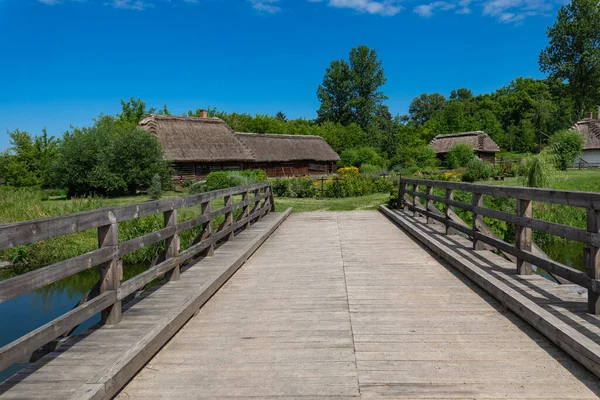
(523, 251)
(106, 297)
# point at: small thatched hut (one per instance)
(589, 129)
(483, 146)
(198, 146)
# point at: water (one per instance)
(28, 312)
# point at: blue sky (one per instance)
(63, 62)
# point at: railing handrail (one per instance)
(572, 198)
(109, 291)
(35, 230)
(523, 221)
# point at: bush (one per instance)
(110, 158)
(565, 147)
(536, 171)
(301, 188)
(226, 179)
(197, 187)
(187, 182)
(361, 155)
(414, 157)
(369, 169)
(459, 156)
(155, 190)
(477, 170)
(280, 187)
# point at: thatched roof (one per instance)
(478, 140)
(190, 139)
(276, 147)
(590, 131)
(196, 139)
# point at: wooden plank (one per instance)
(21, 349)
(172, 245)
(477, 201)
(33, 280)
(592, 260)
(567, 198)
(582, 348)
(523, 236)
(111, 272)
(26, 232)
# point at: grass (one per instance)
(369, 202)
(586, 180)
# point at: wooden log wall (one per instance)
(256, 201)
(524, 251)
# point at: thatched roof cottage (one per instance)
(198, 146)
(483, 145)
(589, 129)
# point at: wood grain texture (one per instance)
(97, 364)
(356, 309)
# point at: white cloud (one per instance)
(131, 4)
(49, 2)
(386, 8)
(426, 10)
(267, 6)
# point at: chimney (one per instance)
(203, 114)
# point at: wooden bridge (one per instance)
(401, 303)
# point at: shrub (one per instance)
(369, 169)
(280, 187)
(155, 190)
(477, 170)
(226, 179)
(109, 158)
(187, 182)
(414, 157)
(301, 188)
(536, 171)
(459, 156)
(197, 187)
(565, 147)
(360, 155)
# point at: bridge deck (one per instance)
(346, 305)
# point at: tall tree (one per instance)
(424, 107)
(574, 51)
(335, 94)
(367, 77)
(133, 111)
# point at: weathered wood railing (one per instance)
(523, 251)
(110, 291)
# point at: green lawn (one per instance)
(370, 202)
(587, 180)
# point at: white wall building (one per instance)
(589, 129)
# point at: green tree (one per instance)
(565, 147)
(27, 161)
(459, 156)
(367, 77)
(573, 53)
(133, 111)
(425, 107)
(335, 94)
(421, 156)
(281, 116)
(108, 158)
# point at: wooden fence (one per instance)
(110, 291)
(523, 251)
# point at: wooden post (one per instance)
(429, 202)
(415, 188)
(523, 236)
(401, 192)
(110, 272)
(592, 260)
(207, 227)
(171, 244)
(322, 187)
(229, 216)
(448, 209)
(245, 209)
(271, 198)
(477, 201)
